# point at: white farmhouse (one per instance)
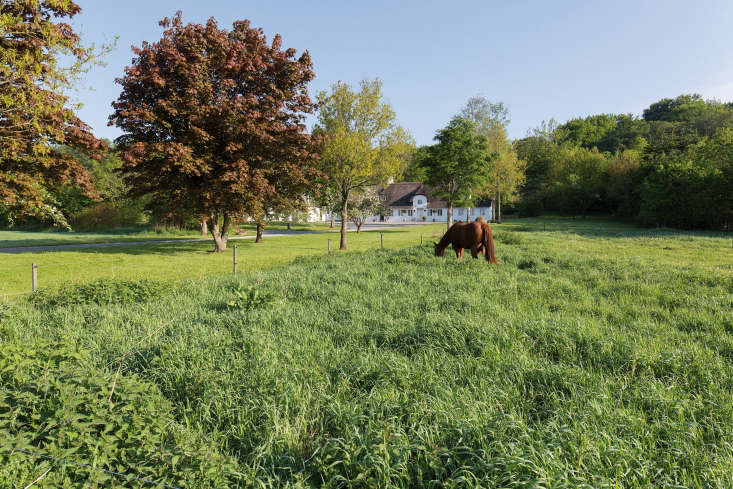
(413, 202)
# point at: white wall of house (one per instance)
(318, 214)
(417, 213)
(399, 215)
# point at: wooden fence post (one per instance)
(235, 259)
(381, 240)
(329, 245)
(34, 277)
(421, 238)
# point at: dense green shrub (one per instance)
(102, 291)
(57, 411)
(106, 215)
(530, 207)
(693, 189)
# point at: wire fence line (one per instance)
(110, 269)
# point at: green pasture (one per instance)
(12, 239)
(597, 355)
(174, 261)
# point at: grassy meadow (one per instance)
(11, 239)
(597, 355)
(185, 260)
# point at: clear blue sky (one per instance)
(543, 59)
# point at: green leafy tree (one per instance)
(458, 166)
(363, 144)
(578, 179)
(415, 172)
(363, 205)
(41, 57)
(691, 189)
(213, 120)
(625, 173)
(682, 108)
(507, 171)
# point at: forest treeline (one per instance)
(673, 166)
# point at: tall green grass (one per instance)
(582, 365)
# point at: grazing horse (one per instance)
(475, 236)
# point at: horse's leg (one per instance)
(474, 251)
(459, 253)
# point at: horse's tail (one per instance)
(488, 241)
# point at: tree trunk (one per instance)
(220, 237)
(204, 228)
(450, 213)
(260, 230)
(344, 220)
(332, 218)
(358, 226)
(288, 225)
(498, 201)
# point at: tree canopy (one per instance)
(507, 171)
(458, 165)
(363, 145)
(213, 119)
(671, 167)
(40, 57)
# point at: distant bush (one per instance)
(104, 291)
(530, 207)
(105, 215)
(53, 404)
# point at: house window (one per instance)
(440, 212)
(403, 212)
(419, 201)
(409, 212)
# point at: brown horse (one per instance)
(475, 236)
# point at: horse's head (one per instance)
(438, 250)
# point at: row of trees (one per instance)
(213, 130)
(670, 167)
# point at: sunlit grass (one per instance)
(174, 261)
(588, 359)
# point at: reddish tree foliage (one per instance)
(35, 116)
(214, 120)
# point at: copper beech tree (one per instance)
(213, 122)
(40, 57)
